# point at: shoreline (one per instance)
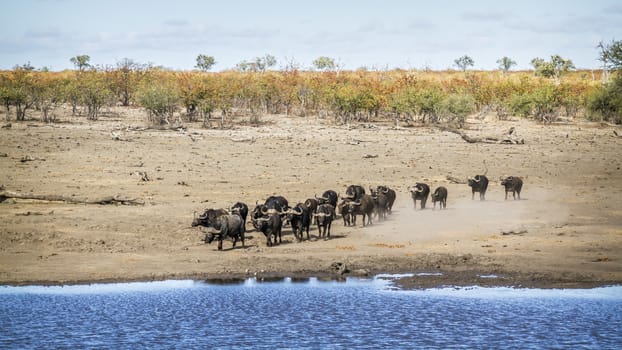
(404, 280)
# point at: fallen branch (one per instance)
(117, 199)
(507, 138)
(29, 158)
(246, 139)
(456, 180)
(118, 137)
(167, 127)
(507, 233)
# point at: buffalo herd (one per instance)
(275, 212)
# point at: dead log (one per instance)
(117, 199)
(456, 180)
(506, 139)
(250, 140)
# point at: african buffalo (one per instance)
(329, 196)
(479, 183)
(274, 204)
(344, 210)
(420, 192)
(208, 217)
(240, 208)
(390, 196)
(227, 226)
(354, 192)
(300, 218)
(311, 204)
(440, 195)
(324, 219)
(270, 225)
(512, 184)
(380, 204)
(364, 206)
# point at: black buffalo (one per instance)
(274, 204)
(324, 219)
(329, 196)
(344, 210)
(390, 196)
(227, 226)
(354, 192)
(440, 195)
(479, 183)
(420, 192)
(380, 204)
(364, 206)
(270, 225)
(311, 204)
(241, 209)
(300, 218)
(207, 218)
(512, 184)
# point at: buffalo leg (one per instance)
(220, 244)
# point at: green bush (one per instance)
(520, 105)
(456, 107)
(541, 103)
(606, 103)
(160, 99)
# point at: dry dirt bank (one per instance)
(566, 231)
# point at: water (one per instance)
(310, 314)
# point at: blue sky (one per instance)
(374, 34)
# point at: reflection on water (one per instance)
(306, 313)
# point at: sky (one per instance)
(373, 34)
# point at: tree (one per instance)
(611, 57)
(125, 79)
(21, 87)
(324, 63)
(464, 62)
(94, 93)
(505, 63)
(81, 62)
(606, 102)
(160, 98)
(48, 94)
(554, 68)
(205, 62)
(265, 62)
(259, 64)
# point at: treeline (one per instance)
(399, 95)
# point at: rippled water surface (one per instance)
(306, 314)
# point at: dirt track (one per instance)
(566, 230)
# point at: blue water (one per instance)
(366, 314)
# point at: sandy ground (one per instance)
(565, 232)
